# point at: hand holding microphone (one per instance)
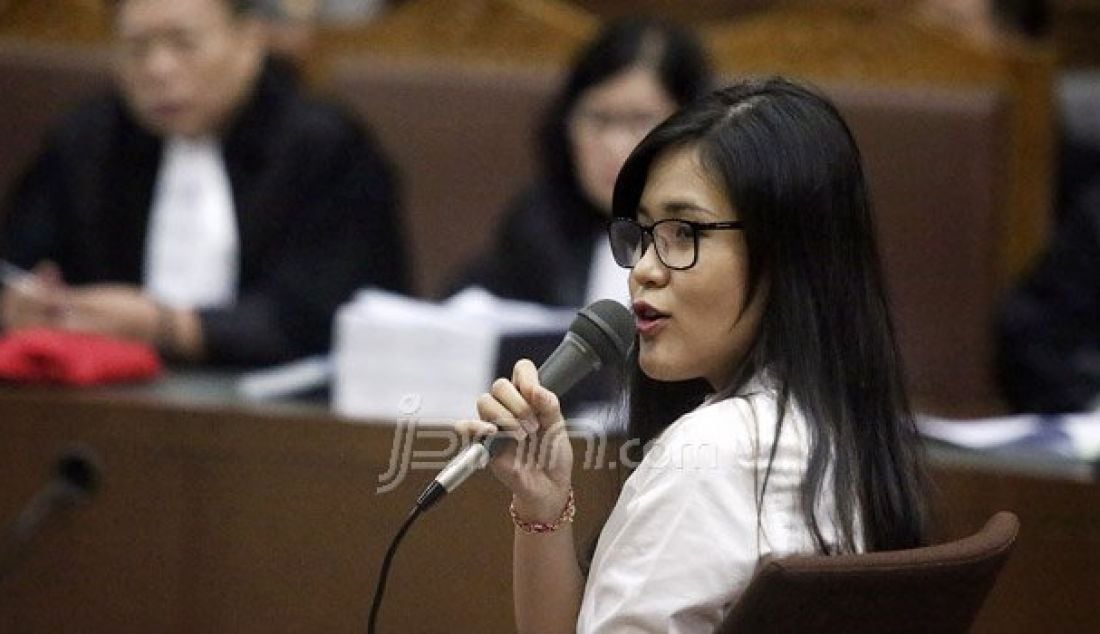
(538, 467)
(600, 335)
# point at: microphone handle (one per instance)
(463, 466)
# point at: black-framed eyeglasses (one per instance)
(676, 241)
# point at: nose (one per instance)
(159, 64)
(650, 271)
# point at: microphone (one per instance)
(601, 334)
(76, 476)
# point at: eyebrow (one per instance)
(679, 208)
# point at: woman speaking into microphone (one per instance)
(765, 385)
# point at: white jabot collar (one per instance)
(192, 246)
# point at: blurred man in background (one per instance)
(208, 207)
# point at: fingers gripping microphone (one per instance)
(600, 335)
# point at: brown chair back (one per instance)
(936, 174)
(463, 139)
(936, 589)
(39, 83)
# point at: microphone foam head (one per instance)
(608, 327)
(78, 468)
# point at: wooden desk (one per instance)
(220, 516)
(1049, 583)
(236, 518)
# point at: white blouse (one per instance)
(684, 539)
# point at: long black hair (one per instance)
(672, 51)
(791, 168)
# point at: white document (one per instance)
(980, 433)
(398, 357)
(1080, 430)
(286, 380)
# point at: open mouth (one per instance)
(648, 319)
(643, 310)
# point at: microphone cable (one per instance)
(380, 588)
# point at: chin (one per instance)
(187, 131)
(161, 128)
(659, 370)
(176, 126)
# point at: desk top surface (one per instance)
(182, 389)
(217, 391)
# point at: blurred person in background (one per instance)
(1048, 346)
(550, 247)
(1048, 329)
(207, 207)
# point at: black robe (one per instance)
(316, 206)
(1049, 329)
(541, 252)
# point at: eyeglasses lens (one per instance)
(675, 242)
(626, 242)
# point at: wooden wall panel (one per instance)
(68, 21)
(540, 33)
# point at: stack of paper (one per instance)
(1075, 435)
(396, 357)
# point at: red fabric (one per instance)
(40, 355)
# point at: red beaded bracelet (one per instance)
(532, 528)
